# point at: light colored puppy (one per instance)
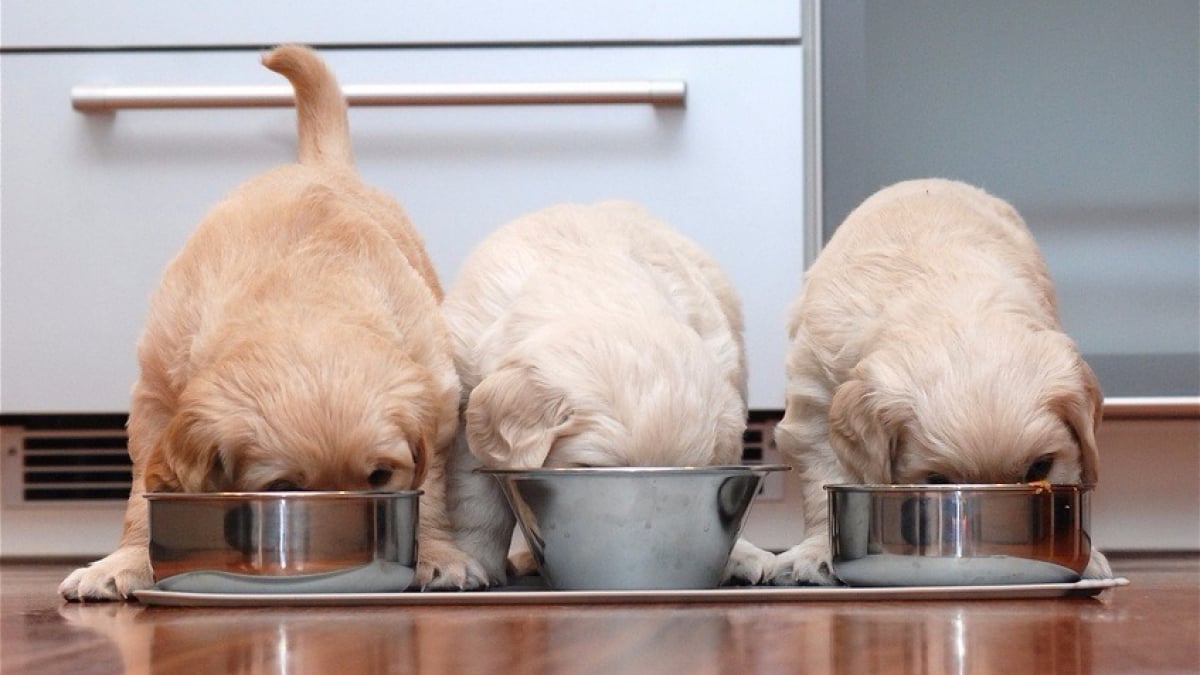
(591, 336)
(294, 343)
(926, 348)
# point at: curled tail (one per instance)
(320, 106)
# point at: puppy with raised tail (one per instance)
(925, 347)
(591, 336)
(294, 343)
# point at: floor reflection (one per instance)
(1032, 636)
(164, 640)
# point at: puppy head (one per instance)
(994, 408)
(611, 395)
(354, 417)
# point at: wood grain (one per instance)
(1151, 626)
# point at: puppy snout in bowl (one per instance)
(632, 528)
(954, 535)
(283, 542)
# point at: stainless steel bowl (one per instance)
(955, 535)
(632, 528)
(283, 542)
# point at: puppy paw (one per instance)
(808, 563)
(114, 577)
(443, 567)
(1098, 567)
(521, 563)
(748, 564)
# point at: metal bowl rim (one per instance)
(627, 471)
(966, 488)
(296, 496)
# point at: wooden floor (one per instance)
(1150, 626)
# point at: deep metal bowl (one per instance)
(955, 535)
(283, 542)
(632, 528)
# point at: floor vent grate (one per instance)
(46, 463)
(68, 458)
(758, 447)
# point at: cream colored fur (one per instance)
(926, 346)
(590, 336)
(294, 343)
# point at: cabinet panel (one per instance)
(94, 205)
(83, 23)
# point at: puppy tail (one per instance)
(320, 106)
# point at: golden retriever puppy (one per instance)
(294, 343)
(925, 347)
(591, 336)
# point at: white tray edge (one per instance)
(1084, 588)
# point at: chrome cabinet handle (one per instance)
(1152, 407)
(666, 93)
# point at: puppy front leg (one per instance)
(441, 564)
(810, 561)
(125, 570)
(482, 521)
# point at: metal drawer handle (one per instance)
(1152, 407)
(652, 92)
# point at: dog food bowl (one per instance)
(632, 528)
(283, 542)
(956, 535)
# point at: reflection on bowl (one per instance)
(283, 542)
(929, 535)
(632, 528)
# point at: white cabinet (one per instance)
(94, 205)
(174, 23)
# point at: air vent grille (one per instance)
(66, 463)
(85, 458)
(758, 447)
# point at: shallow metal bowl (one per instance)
(632, 528)
(955, 535)
(283, 542)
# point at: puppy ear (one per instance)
(185, 459)
(862, 431)
(159, 477)
(413, 414)
(1082, 408)
(513, 419)
(420, 455)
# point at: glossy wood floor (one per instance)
(1151, 626)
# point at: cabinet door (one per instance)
(85, 23)
(94, 205)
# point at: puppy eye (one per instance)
(936, 479)
(1039, 470)
(379, 477)
(282, 486)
